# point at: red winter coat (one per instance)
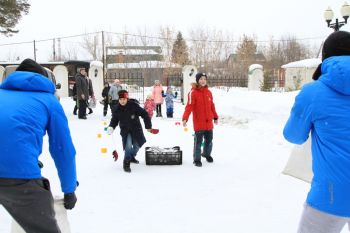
(200, 103)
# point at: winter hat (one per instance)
(123, 94)
(32, 66)
(150, 96)
(336, 44)
(199, 75)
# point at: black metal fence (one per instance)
(132, 82)
(228, 80)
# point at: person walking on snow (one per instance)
(322, 109)
(200, 103)
(29, 109)
(126, 114)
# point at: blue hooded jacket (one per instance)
(323, 107)
(28, 108)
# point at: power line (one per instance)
(166, 38)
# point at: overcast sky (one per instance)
(264, 18)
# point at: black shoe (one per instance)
(208, 158)
(126, 166)
(197, 163)
(84, 117)
(90, 111)
(74, 112)
(133, 160)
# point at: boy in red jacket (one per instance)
(200, 103)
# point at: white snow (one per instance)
(243, 191)
(307, 63)
(254, 67)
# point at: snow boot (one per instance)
(208, 158)
(126, 166)
(197, 163)
(133, 160)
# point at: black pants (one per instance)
(82, 108)
(105, 108)
(159, 110)
(30, 203)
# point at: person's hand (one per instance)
(83, 96)
(184, 123)
(110, 130)
(69, 200)
(216, 121)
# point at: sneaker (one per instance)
(197, 163)
(208, 158)
(126, 166)
(90, 111)
(133, 160)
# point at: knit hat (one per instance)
(32, 66)
(199, 75)
(123, 94)
(336, 44)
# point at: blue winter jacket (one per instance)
(28, 108)
(323, 107)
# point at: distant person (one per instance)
(29, 110)
(158, 97)
(126, 114)
(169, 102)
(82, 86)
(200, 103)
(106, 99)
(113, 92)
(322, 109)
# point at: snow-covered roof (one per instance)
(96, 63)
(254, 67)
(307, 63)
(143, 64)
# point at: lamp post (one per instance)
(328, 16)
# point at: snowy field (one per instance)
(243, 191)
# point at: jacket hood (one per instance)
(28, 81)
(336, 73)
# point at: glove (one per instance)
(110, 130)
(69, 200)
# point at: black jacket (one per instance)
(129, 122)
(105, 94)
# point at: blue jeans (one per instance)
(131, 148)
(207, 135)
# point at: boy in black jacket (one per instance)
(126, 114)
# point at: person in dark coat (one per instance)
(29, 110)
(127, 114)
(106, 99)
(82, 86)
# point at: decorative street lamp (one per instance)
(328, 15)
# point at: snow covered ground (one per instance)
(242, 191)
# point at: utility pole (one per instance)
(103, 58)
(59, 48)
(34, 50)
(54, 49)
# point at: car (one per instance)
(11, 68)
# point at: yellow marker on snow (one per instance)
(103, 150)
(104, 123)
(99, 135)
(185, 129)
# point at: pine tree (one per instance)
(10, 13)
(179, 54)
(246, 52)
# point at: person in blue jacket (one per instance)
(322, 108)
(29, 109)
